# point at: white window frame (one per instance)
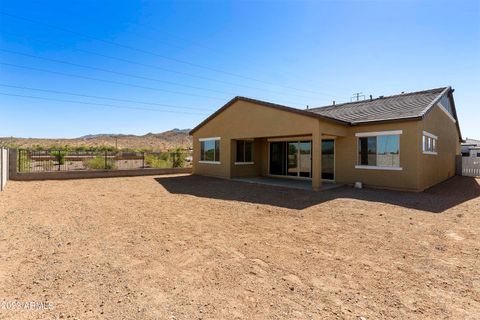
(240, 163)
(377, 134)
(207, 161)
(431, 139)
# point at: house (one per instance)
(471, 148)
(405, 142)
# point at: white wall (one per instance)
(3, 168)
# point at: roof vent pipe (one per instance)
(371, 98)
(333, 102)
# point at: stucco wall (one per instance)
(405, 179)
(248, 120)
(247, 170)
(346, 158)
(244, 120)
(437, 168)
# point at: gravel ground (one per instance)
(186, 247)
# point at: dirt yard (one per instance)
(184, 247)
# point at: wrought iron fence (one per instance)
(64, 160)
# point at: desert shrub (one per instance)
(154, 161)
(178, 157)
(104, 148)
(24, 162)
(9, 145)
(81, 148)
(98, 162)
(59, 156)
(165, 156)
(37, 147)
(54, 148)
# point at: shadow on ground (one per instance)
(437, 199)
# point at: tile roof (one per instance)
(413, 105)
(269, 105)
(396, 107)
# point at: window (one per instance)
(244, 151)
(429, 143)
(367, 151)
(379, 150)
(210, 150)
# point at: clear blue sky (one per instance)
(216, 50)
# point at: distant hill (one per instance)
(155, 141)
(105, 135)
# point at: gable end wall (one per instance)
(437, 168)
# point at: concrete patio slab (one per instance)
(287, 183)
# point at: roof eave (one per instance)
(434, 101)
(268, 105)
(452, 101)
(448, 90)
(413, 118)
(213, 115)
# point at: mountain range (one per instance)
(154, 141)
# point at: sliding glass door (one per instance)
(294, 156)
(278, 158)
(305, 159)
(328, 159)
(292, 163)
(294, 159)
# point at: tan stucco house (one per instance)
(407, 141)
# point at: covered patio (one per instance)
(303, 184)
(241, 141)
(298, 161)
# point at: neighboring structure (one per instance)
(471, 148)
(407, 141)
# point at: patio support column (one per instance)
(227, 154)
(317, 158)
